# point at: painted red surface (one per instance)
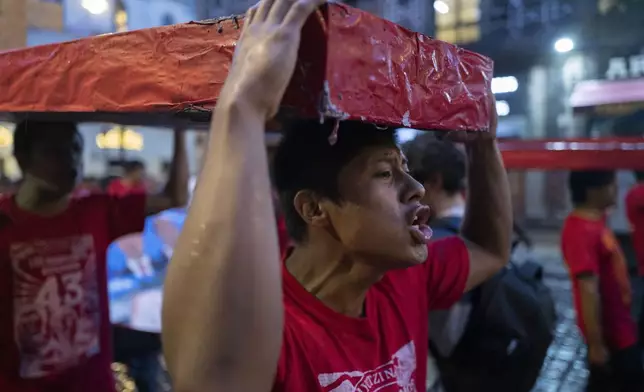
(353, 65)
(574, 154)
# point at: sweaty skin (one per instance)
(591, 314)
(223, 310)
(228, 324)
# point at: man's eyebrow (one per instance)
(395, 159)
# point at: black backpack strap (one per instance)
(531, 270)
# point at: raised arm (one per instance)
(222, 312)
(175, 193)
(487, 226)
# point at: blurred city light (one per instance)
(6, 137)
(505, 84)
(441, 7)
(563, 45)
(405, 135)
(95, 7)
(120, 138)
(502, 108)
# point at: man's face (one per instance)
(55, 161)
(381, 201)
(608, 194)
(603, 197)
(137, 175)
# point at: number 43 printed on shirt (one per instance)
(48, 295)
(56, 310)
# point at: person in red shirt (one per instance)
(87, 186)
(54, 319)
(346, 310)
(601, 285)
(635, 215)
(133, 180)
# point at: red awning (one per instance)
(574, 154)
(352, 65)
(609, 92)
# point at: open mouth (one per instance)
(419, 228)
(420, 215)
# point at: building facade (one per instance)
(37, 22)
(553, 48)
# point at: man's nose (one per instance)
(414, 190)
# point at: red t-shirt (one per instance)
(54, 318)
(635, 214)
(119, 188)
(386, 351)
(588, 246)
(282, 235)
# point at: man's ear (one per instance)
(310, 207)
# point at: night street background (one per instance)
(564, 369)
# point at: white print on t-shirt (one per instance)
(396, 375)
(56, 311)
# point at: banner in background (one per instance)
(136, 269)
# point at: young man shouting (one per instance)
(347, 308)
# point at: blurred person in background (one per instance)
(601, 285)
(133, 180)
(635, 215)
(88, 185)
(441, 167)
(54, 318)
(469, 341)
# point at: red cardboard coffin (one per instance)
(352, 65)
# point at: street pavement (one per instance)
(564, 369)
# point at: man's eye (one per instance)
(384, 174)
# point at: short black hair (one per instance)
(28, 131)
(639, 175)
(429, 156)
(133, 165)
(305, 159)
(579, 182)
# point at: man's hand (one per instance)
(473, 136)
(598, 355)
(266, 53)
(235, 272)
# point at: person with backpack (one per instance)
(496, 337)
(601, 285)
